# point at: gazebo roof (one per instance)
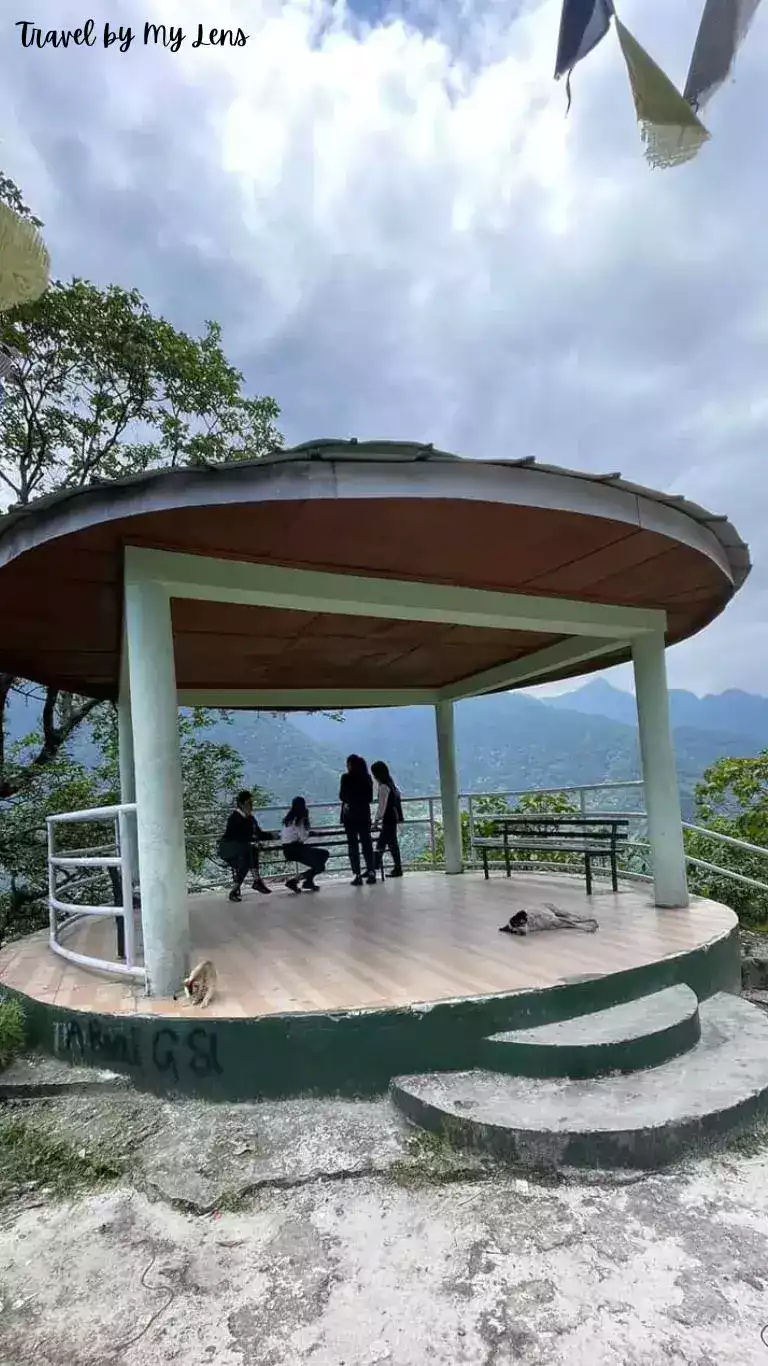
(386, 510)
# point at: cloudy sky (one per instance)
(404, 237)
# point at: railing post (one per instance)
(128, 830)
(471, 828)
(51, 884)
(126, 877)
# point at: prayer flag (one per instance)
(671, 131)
(723, 28)
(24, 263)
(583, 24)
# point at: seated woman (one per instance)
(238, 846)
(388, 817)
(296, 849)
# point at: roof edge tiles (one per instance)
(351, 451)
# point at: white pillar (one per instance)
(449, 787)
(662, 797)
(126, 764)
(159, 794)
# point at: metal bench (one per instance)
(593, 837)
(325, 836)
(334, 837)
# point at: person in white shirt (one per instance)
(388, 816)
(294, 837)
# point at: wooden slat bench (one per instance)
(593, 837)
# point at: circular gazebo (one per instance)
(352, 574)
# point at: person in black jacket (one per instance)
(388, 816)
(238, 846)
(356, 795)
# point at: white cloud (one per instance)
(404, 236)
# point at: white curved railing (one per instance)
(92, 861)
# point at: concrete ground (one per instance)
(139, 1231)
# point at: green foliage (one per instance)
(547, 803)
(31, 1156)
(212, 772)
(62, 785)
(11, 1030)
(11, 196)
(106, 389)
(732, 798)
(737, 790)
(430, 1159)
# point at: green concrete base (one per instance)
(625, 1038)
(644, 1119)
(344, 1053)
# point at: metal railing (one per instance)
(720, 838)
(425, 813)
(91, 862)
(421, 813)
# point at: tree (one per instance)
(104, 389)
(10, 194)
(62, 785)
(212, 772)
(732, 799)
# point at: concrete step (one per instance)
(642, 1033)
(640, 1119)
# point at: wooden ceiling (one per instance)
(61, 601)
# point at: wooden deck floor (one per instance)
(426, 938)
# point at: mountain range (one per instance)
(731, 713)
(512, 741)
(505, 742)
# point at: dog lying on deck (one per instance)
(548, 917)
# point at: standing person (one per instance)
(238, 846)
(388, 817)
(294, 836)
(356, 795)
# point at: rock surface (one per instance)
(445, 1268)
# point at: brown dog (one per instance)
(200, 986)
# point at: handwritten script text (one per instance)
(170, 36)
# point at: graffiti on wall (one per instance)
(163, 1052)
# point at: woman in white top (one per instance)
(389, 816)
(294, 837)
